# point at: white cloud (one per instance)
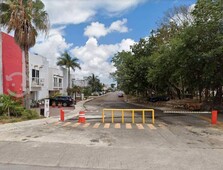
(53, 46)
(119, 26)
(125, 44)
(79, 11)
(185, 15)
(97, 29)
(191, 8)
(94, 58)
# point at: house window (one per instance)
(35, 76)
(60, 82)
(35, 73)
(55, 82)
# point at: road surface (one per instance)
(173, 142)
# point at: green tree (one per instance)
(94, 83)
(123, 61)
(208, 24)
(69, 62)
(8, 104)
(183, 55)
(25, 18)
(132, 70)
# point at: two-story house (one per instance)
(44, 81)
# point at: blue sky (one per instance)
(141, 20)
(94, 30)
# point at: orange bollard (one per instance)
(214, 116)
(82, 118)
(61, 115)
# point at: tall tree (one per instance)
(94, 83)
(69, 62)
(208, 24)
(25, 18)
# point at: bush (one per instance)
(11, 107)
(29, 114)
(87, 91)
(8, 104)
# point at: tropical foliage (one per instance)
(11, 107)
(94, 83)
(70, 63)
(25, 18)
(183, 56)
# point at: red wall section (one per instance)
(12, 65)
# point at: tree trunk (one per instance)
(177, 90)
(27, 93)
(218, 96)
(8, 112)
(206, 93)
(69, 78)
(200, 95)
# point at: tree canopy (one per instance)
(184, 55)
(69, 62)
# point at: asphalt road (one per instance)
(175, 141)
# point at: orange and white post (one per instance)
(82, 118)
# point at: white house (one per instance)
(44, 80)
(80, 82)
(38, 76)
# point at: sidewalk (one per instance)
(11, 126)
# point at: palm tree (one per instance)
(69, 62)
(94, 83)
(25, 18)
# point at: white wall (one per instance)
(44, 71)
(65, 80)
(81, 83)
(54, 72)
(39, 63)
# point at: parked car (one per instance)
(120, 94)
(64, 100)
(159, 98)
(95, 93)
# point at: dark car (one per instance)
(159, 98)
(64, 100)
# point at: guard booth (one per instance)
(45, 108)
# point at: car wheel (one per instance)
(64, 104)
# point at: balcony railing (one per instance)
(58, 85)
(37, 82)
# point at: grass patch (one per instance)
(5, 119)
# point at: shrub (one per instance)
(29, 114)
(11, 106)
(87, 91)
(8, 104)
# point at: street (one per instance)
(175, 141)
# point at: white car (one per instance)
(120, 94)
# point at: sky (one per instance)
(95, 30)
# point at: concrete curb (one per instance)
(44, 121)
